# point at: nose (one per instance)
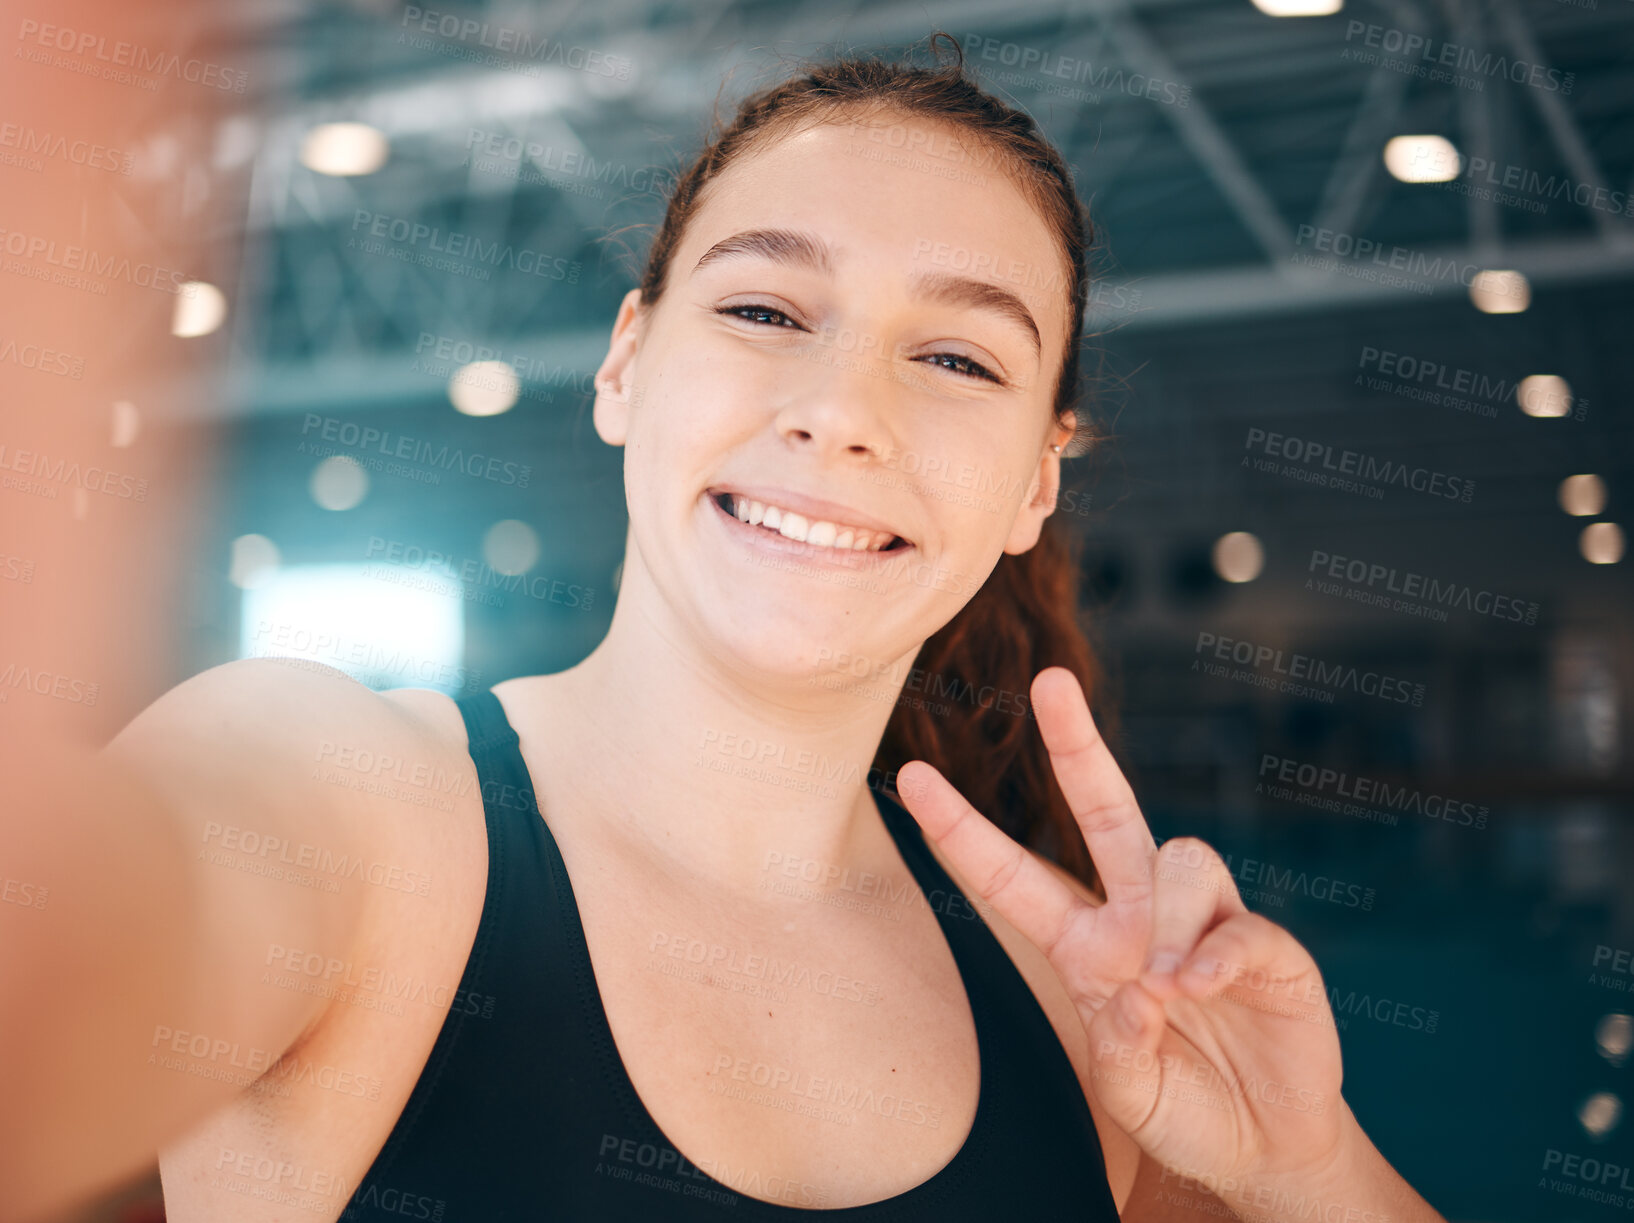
(840, 407)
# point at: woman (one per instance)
(637, 940)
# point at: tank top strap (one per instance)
(486, 726)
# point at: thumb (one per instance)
(1125, 1071)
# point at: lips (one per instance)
(774, 544)
(806, 519)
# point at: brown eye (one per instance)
(973, 369)
(742, 311)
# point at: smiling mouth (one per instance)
(817, 533)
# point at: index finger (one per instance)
(1000, 871)
(1120, 844)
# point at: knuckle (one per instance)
(1003, 875)
(1101, 817)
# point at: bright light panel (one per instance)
(387, 626)
(1544, 395)
(1500, 291)
(1422, 159)
(344, 149)
(1238, 556)
(1583, 496)
(1298, 8)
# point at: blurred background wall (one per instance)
(1360, 344)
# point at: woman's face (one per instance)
(859, 335)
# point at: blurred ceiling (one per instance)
(1220, 150)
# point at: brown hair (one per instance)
(1023, 619)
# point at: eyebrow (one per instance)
(797, 250)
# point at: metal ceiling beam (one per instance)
(1475, 114)
(1377, 114)
(1556, 118)
(1233, 294)
(1200, 132)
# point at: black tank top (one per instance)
(524, 1111)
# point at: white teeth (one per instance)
(821, 533)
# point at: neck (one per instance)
(715, 770)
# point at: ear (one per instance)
(1043, 492)
(611, 412)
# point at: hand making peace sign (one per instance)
(1210, 1037)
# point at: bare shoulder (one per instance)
(433, 712)
(1118, 1149)
(276, 704)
